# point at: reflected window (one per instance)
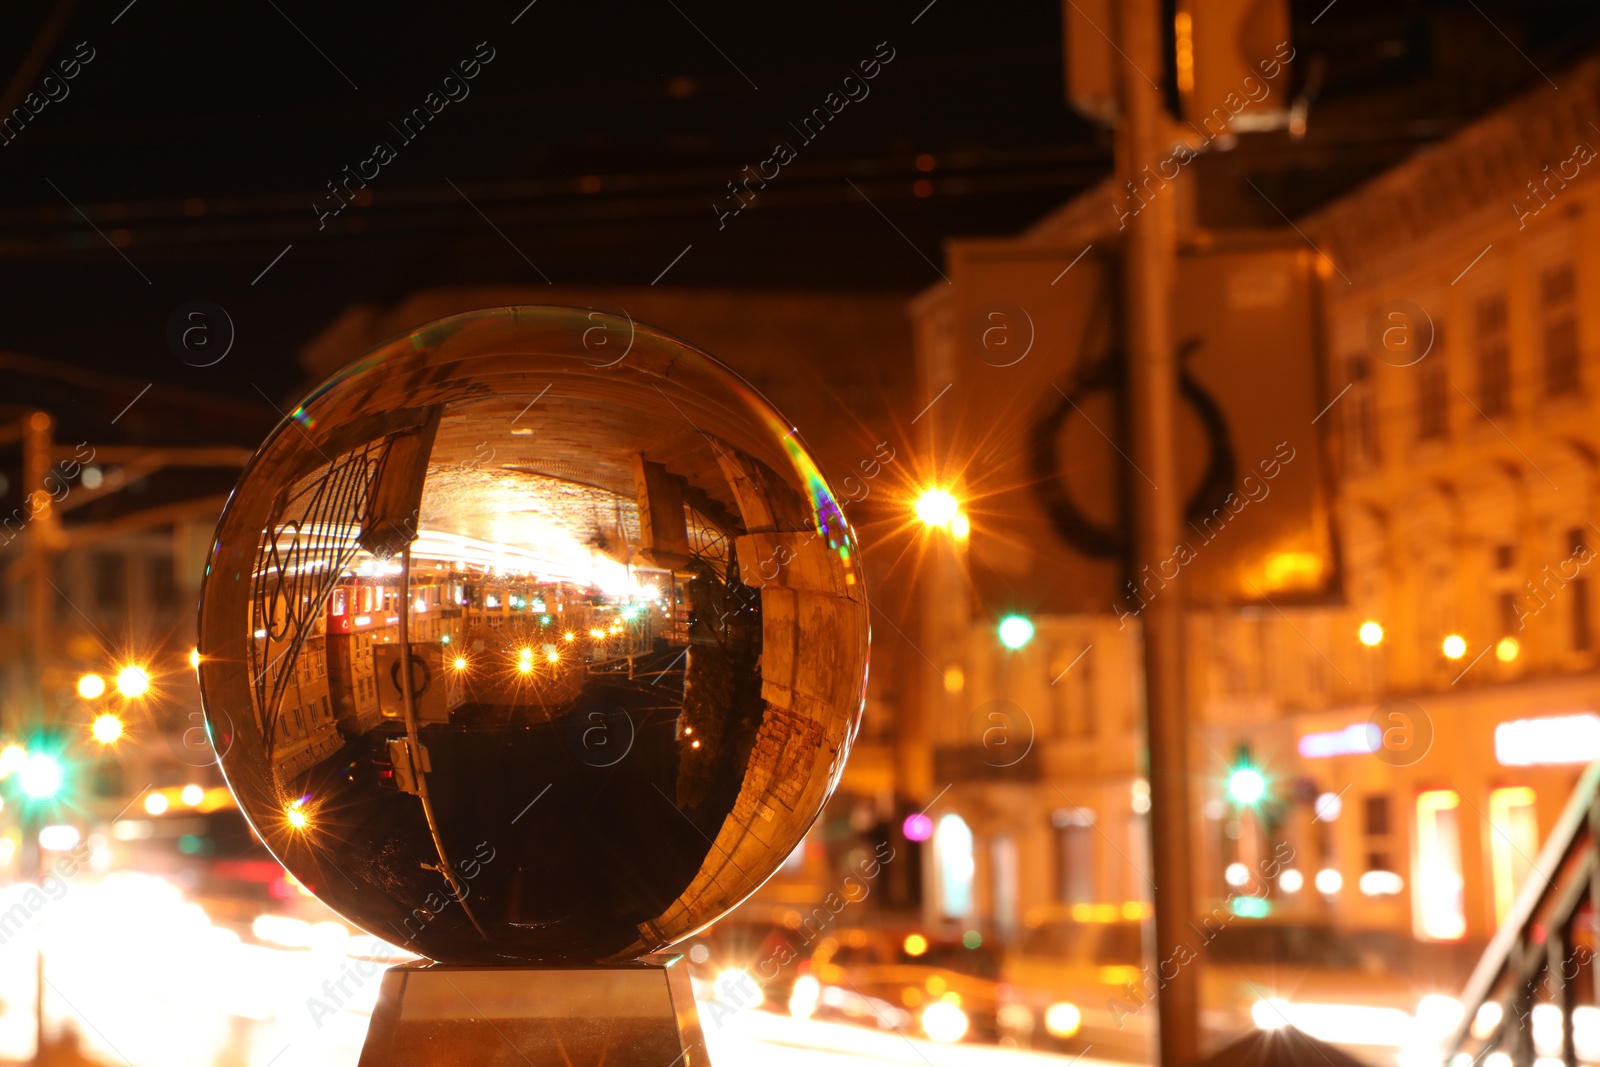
(1513, 839)
(952, 848)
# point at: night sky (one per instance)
(592, 143)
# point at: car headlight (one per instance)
(735, 986)
(1062, 1019)
(803, 998)
(944, 1022)
(1270, 1014)
(1439, 1015)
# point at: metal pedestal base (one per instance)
(629, 1015)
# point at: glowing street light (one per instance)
(133, 681)
(1371, 634)
(1246, 785)
(297, 816)
(91, 686)
(460, 663)
(194, 658)
(1015, 631)
(936, 507)
(1454, 646)
(1507, 649)
(42, 776)
(192, 795)
(107, 728)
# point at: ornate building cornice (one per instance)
(1489, 164)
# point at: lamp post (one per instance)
(1149, 263)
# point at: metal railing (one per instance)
(1534, 959)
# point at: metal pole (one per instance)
(1149, 261)
(42, 542)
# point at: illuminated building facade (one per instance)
(1419, 721)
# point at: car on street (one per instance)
(946, 988)
(1087, 975)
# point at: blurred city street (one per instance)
(941, 534)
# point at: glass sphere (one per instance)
(629, 607)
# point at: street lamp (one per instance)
(42, 776)
(1246, 785)
(1015, 631)
(1371, 634)
(107, 728)
(133, 681)
(1454, 646)
(936, 507)
(91, 686)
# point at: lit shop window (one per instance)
(952, 850)
(1513, 839)
(1437, 907)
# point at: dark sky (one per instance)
(592, 147)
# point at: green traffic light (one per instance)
(1015, 631)
(1246, 785)
(42, 777)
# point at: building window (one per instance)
(110, 579)
(1074, 855)
(1433, 400)
(163, 588)
(953, 851)
(1438, 907)
(1582, 637)
(1494, 357)
(1071, 686)
(1558, 301)
(1509, 622)
(1360, 414)
(1513, 838)
(1377, 815)
(1004, 862)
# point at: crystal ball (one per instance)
(534, 635)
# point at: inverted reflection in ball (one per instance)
(630, 612)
